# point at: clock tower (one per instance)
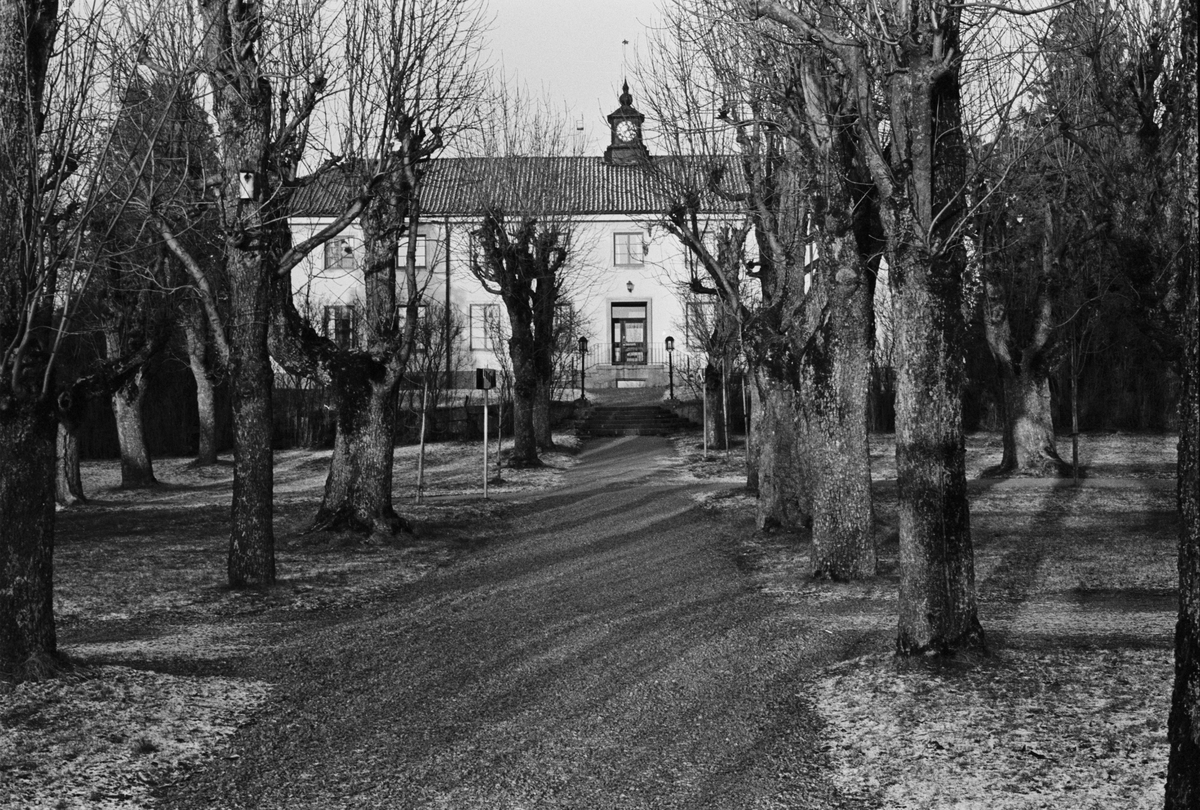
(625, 125)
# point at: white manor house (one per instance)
(628, 291)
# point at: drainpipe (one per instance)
(449, 348)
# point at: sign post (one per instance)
(485, 380)
(421, 452)
(485, 442)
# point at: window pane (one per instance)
(339, 255)
(485, 321)
(402, 255)
(627, 248)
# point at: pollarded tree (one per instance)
(413, 81)
(1042, 270)
(524, 249)
(264, 70)
(58, 106)
(895, 76)
(1183, 732)
(798, 176)
(700, 70)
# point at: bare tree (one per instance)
(890, 83)
(413, 84)
(1183, 768)
(795, 173)
(58, 104)
(525, 248)
(265, 73)
(413, 81)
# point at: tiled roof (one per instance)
(572, 185)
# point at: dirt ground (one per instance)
(1076, 587)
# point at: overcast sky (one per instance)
(571, 50)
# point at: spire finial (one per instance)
(625, 99)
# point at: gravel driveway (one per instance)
(609, 653)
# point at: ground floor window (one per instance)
(421, 330)
(485, 320)
(341, 325)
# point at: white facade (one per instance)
(626, 280)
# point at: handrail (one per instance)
(602, 355)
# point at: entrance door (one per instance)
(629, 334)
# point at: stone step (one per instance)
(631, 421)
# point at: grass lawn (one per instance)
(1076, 588)
(1078, 596)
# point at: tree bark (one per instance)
(938, 612)
(68, 484)
(194, 332)
(27, 430)
(28, 646)
(1183, 770)
(542, 430)
(256, 238)
(251, 534)
(1029, 446)
(137, 470)
(525, 394)
(784, 499)
(1028, 438)
(834, 389)
(937, 576)
(754, 406)
(714, 423)
(358, 489)
(1183, 725)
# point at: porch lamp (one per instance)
(629, 286)
(583, 368)
(671, 365)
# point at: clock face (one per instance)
(626, 131)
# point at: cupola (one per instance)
(625, 127)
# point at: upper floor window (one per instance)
(627, 249)
(421, 256)
(339, 254)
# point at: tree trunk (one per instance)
(833, 396)
(714, 423)
(256, 239)
(1183, 770)
(1029, 446)
(358, 490)
(1183, 725)
(784, 499)
(137, 471)
(27, 433)
(753, 409)
(28, 647)
(68, 484)
(194, 331)
(542, 432)
(251, 533)
(937, 575)
(525, 394)
(922, 208)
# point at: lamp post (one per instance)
(583, 368)
(671, 365)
